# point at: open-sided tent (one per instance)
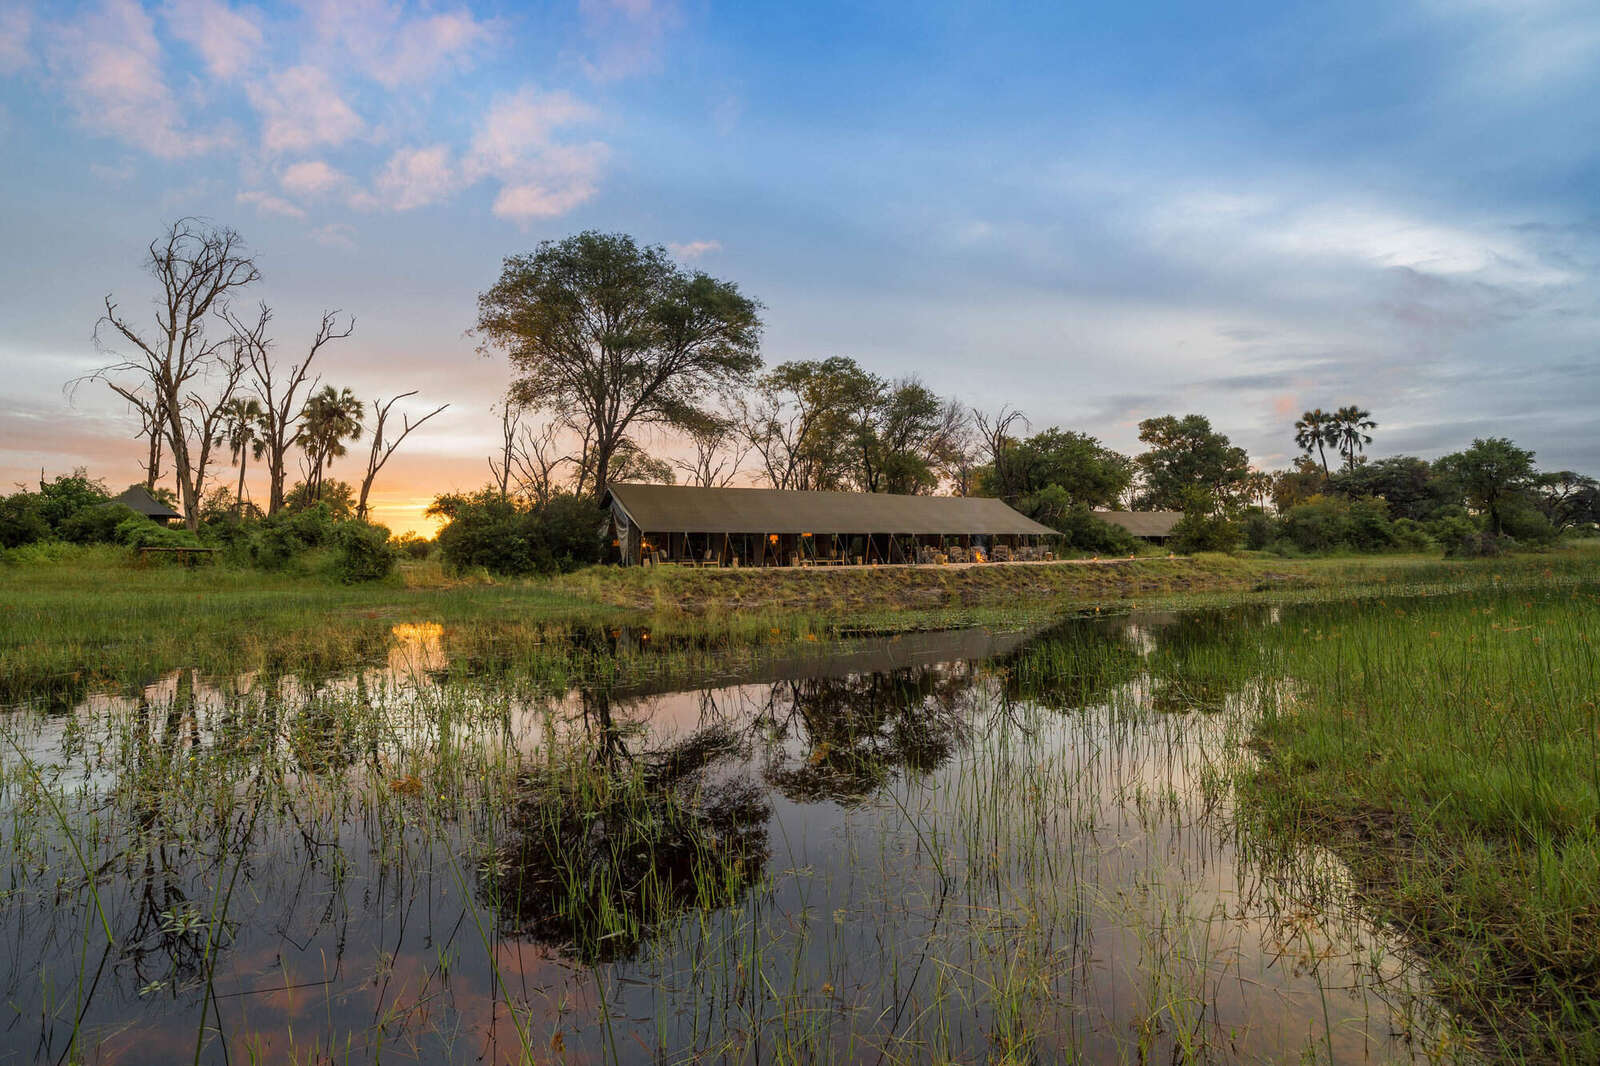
(767, 527)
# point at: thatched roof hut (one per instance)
(138, 499)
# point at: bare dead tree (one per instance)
(536, 458)
(382, 446)
(500, 467)
(152, 429)
(957, 444)
(719, 451)
(179, 373)
(997, 432)
(282, 392)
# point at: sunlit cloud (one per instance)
(393, 45)
(302, 108)
(228, 39)
(270, 204)
(111, 68)
(694, 249)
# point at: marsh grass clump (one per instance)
(598, 856)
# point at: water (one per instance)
(965, 846)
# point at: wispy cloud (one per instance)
(270, 204)
(229, 40)
(516, 145)
(312, 178)
(112, 70)
(302, 108)
(16, 37)
(694, 249)
(392, 44)
(416, 177)
(626, 37)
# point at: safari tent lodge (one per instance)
(650, 524)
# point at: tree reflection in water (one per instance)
(613, 843)
(841, 738)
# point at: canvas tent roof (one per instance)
(1142, 523)
(689, 509)
(137, 498)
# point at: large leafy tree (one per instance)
(1089, 473)
(802, 420)
(1409, 485)
(1494, 473)
(1186, 454)
(618, 336)
(905, 436)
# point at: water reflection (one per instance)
(958, 845)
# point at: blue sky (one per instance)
(1096, 214)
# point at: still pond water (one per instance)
(957, 846)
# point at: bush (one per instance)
(1204, 533)
(1479, 544)
(412, 546)
(22, 520)
(96, 525)
(1202, 529)
(140, 532)
(364, 552)
(67, 495)
(1411, 536)
(1258, 530)
(507, 537)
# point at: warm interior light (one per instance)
(773, 537)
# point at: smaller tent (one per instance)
(139, 500)
(1146, 525)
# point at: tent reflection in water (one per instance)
(778, 527)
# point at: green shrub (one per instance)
(505, 536)
(413, 546)
(67, 495)
(1479, 544)
(364, 552)
(140, 532)
(96, 525)
(1202, 529)
(1410, 535)
(1258, 530)
(22, 520)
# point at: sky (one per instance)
(1096, 213)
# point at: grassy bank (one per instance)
(1449, 752)
(89, 617)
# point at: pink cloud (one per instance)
(16, 33)
(112, 69)
(392, 46)
(230, 40)
(516, 146)
(694, 249)
(302, 108)
(311, 178)
(272, 205)
(416, 177)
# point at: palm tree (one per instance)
(241, 434)
(1315, 429)
(1349, 426)
(328, 420)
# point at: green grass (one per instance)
(1447, 750)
